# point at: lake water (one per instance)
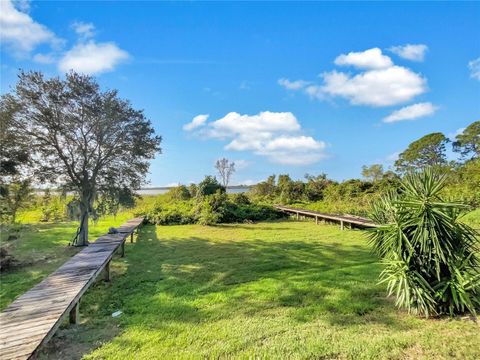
(158, 191)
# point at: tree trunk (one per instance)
(85, 208)
(82, 239)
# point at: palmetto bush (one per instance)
(431, 258)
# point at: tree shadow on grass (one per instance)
(193, 280)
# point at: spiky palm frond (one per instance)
(431, 259)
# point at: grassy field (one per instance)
(268, 290)
(40, 248)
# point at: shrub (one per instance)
(177, 213)
(208, 216)
(180, 192)
(240, 199)
(53, 208)
(209, 186)
(431, 257)
(207, 210)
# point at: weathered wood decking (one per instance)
(33, 317)
(341, 219)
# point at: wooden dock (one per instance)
(352, 221)
(32, 319)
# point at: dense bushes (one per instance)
(463, 183)
(207, 209)
(322, 194)
(355, 196)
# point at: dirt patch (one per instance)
(75, 341)
(7, 261)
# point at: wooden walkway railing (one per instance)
(32, 319)
(341, 219)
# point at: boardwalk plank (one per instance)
(34, 317)
(359, 221)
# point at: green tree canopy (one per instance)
(373, 172)
(468, 142)
(14, 147)
(82, 138)
(209, 186)
(429, 150)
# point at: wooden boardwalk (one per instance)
(32, 319)
(353, 221)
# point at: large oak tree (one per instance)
(82, 138)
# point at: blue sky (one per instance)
(288, 87)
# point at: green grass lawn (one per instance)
(40, 249)
(269, 290)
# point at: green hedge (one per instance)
(209, 210)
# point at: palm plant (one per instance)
(431, 259)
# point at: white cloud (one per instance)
(22, 5)
(474, 67)
(275, 135)
(84, 30)
(379, 83)
(410, 52)
(20, 32)
(380, 87)
(241, 164)
(254, 125)
(368, 59)
(92, 58)
(293, 143)
(292, 85)
(196, 122)
(411, 112)
(44, 58)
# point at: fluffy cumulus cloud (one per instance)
(88, 56)
(92, 58)
(410, 52)
(20, 33)
(379, 81)
(196, 122)
(411, 112)
(474, 67)
(368, 59)
(275, 135)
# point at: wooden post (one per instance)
(341, 224)
(74, 316)
(122, 249)
(106, 275)
(316, 220)
(131, 237)
(298, 216)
